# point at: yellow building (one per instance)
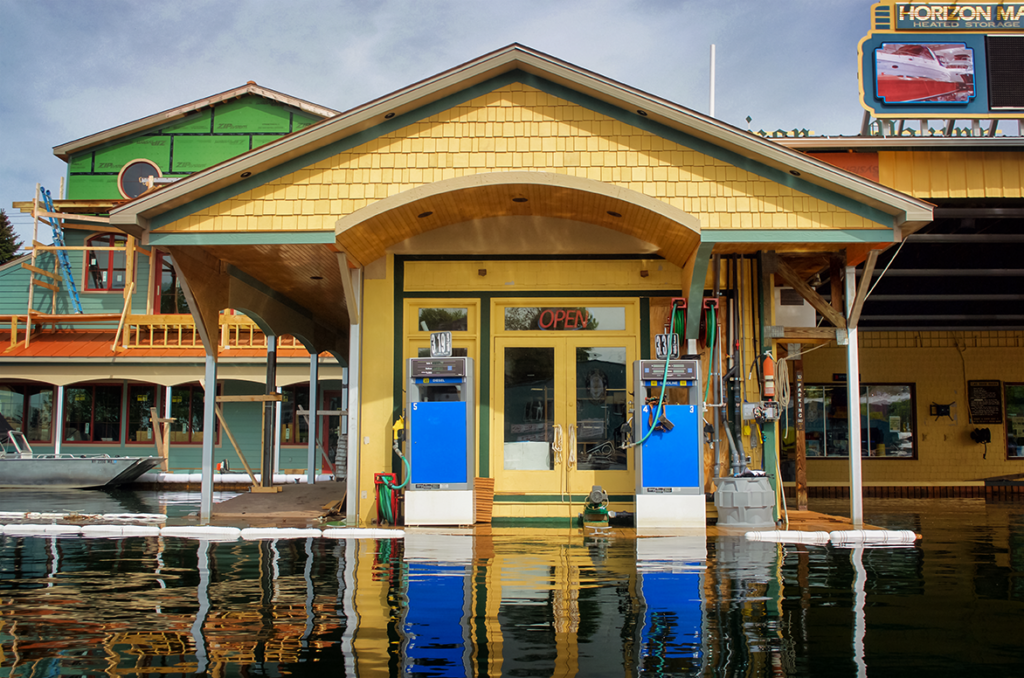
(548, 217)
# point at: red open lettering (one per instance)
(546, 323)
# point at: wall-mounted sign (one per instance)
(950, 16)
(943, 60)
(985, 401)
(440, 344)
(666, 346)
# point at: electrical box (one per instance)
(669, 458)
(792, 310)
(440, 434)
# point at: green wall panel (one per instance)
(113, 158)
(81, 162)
(192, 154)
(251, 114)
(263, 139)
(93, 187)
(301, 121)
(193, 123)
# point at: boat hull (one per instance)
(73, 472)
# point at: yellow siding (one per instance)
(377, 387)
(433, 276)
(519, 128)
(938, 364)
(946, 174)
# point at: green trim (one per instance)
(244, 277)
(755, 235)
(398, 351)
(561, 91)
(243, 238)
(695, 298)
(325, 152)
(557, 498)
(645, 328)
(707, 148)
(484, 396)
(471, 294)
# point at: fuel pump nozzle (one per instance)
(398, 435)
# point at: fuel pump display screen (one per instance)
(438, 367)
(678, 370)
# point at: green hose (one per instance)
(711, 327)
(386, 488)
(664, 378)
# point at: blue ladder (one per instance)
(62, 255)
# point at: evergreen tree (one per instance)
(9, 243)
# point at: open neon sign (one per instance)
(563, 319)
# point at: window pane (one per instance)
(1015, 420)
(12, 405)
(592, 318)
(78, 417)
(890, 421)
(600, 407)
(107, 417)
(40, 414)
(98, 265)
(181, 413)
(529, 408)
(196, 415)
(140, 399)
(443, 319)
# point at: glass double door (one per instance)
(560, 414)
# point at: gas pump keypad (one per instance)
(678, 370)
(438, 367)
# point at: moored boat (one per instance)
(68, 472)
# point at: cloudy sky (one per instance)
(71, 68)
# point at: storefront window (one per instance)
(1014, 420)
(169, 296)
(141, 397)
(28, 409)
(560, 318)
(886, 421)
(93, 413)
(443, 320)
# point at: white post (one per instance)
(711, 108)
(853, 405)
(277, 436)
(355, 443)
(58, 429)
(311, 428)
(209, 426)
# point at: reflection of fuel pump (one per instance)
(670, 450)
(440, 434)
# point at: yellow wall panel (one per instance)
(515, 127)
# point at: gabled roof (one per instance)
(638, 105)
(65, 150)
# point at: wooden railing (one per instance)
(179, 331)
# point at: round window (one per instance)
(131, 181)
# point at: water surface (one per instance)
(525, 602)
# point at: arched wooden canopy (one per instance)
(366, 234)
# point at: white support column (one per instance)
(58, 429)
(853, 405)
(314, 407)
(209, 426)
(355, 443)
(277, 435)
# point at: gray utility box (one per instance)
(744, 502)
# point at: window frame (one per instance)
(159, 261)
(865, 386)
(296, 419)
(97, 241)
(157, 390)
(22, 388)
(1006, 422)
(93, 385)
(191, 433)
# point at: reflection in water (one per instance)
(524, 602)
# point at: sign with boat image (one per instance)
(926, 60)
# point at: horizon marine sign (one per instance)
(943, 60)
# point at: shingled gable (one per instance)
(64, 151)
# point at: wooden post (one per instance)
(801, 439)
(161, 436)
(238, 451)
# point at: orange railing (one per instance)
(179, 331)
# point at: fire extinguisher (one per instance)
(768, 376)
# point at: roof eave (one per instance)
(904, 209)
